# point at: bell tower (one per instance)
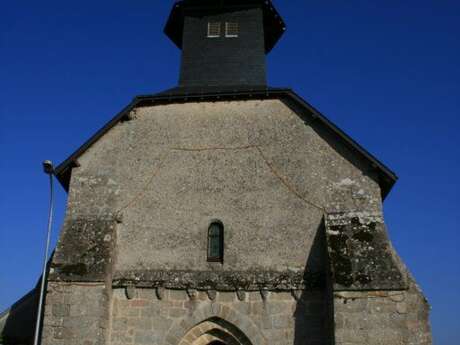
(224, 42)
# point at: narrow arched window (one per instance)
(216, 242)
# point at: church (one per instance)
(224, 212)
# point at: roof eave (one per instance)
(273, 23)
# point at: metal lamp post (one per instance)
(49, 170)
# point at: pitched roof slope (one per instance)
(387, 178)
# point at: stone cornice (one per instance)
(221, 280)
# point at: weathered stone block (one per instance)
(85, 249)
(177, 295)
(176, 312)
(360, 253)
(281, 321)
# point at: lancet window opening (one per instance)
(216, 242)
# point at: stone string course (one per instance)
(221, 280)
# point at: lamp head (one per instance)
(48, 167)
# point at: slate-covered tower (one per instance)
(224, 43)
(224, 212)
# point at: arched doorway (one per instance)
(215, 331)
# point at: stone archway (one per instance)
(215, 331)
(214, 322)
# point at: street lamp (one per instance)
(49, 170)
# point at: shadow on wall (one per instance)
(314, 314)
(17, 325)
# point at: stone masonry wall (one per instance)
(280, 319)
(381, 318)
(268, 173)
(139, 208)
(76, 314)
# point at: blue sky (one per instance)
(385, 71)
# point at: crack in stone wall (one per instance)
(284, 180)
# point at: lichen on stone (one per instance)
(360, 254)
(85, 251)
(223, 281)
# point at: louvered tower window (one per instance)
(216, 242)
(231, 29)
(214, 29)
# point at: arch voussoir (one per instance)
(215, 322)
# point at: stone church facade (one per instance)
(224, 211)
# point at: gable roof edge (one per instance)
(387, 178)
